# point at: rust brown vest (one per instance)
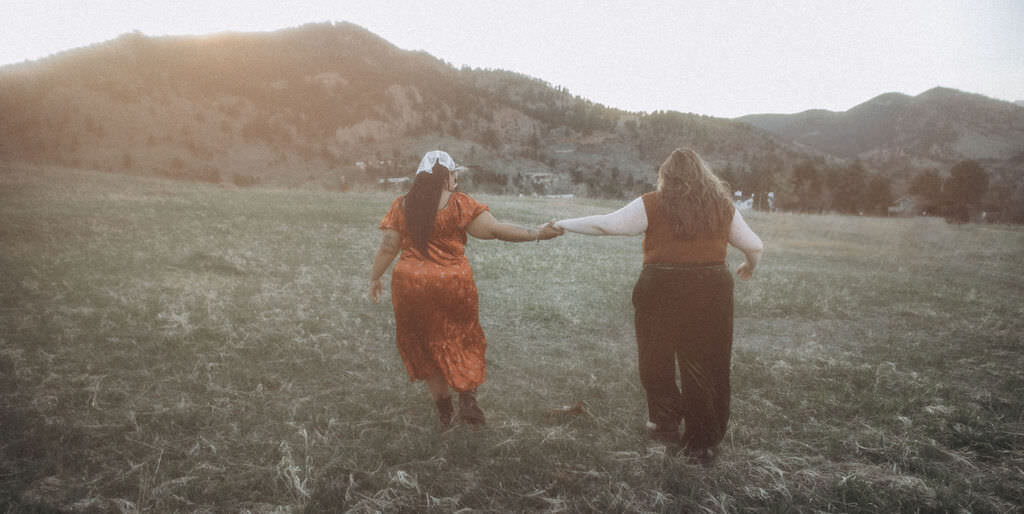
(662, 246)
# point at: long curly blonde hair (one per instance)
(696, 202)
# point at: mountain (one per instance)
(895, 131)
(332, 104)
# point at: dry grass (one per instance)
(174, 347)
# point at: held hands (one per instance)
(549, 231)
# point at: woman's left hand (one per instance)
(744, 271)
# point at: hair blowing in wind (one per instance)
(695, 200)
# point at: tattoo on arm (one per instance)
(389, 242)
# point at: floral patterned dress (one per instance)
(435, 299)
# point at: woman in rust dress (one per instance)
(432, 289)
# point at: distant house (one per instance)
(394, 182)
(765, 202)
(541, 178)
(916, 205)
(905, 206)
(363, 165)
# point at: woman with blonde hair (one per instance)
(683, 299)
(437, 327)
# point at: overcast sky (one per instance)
(715, 57)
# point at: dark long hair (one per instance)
(421, 204)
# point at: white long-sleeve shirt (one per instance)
(632, 220)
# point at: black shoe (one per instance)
(469, 411)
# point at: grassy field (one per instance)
(176, 347)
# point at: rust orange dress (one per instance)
(436, 322)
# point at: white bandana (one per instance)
(436, 157)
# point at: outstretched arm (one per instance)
(747, 242)
(386, 252)
(627, 221)
(486, 226)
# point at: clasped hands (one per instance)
(549, 231)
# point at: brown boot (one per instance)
(445, 410)
(469, 411)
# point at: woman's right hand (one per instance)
(376, 289)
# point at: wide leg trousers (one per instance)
(683, 316)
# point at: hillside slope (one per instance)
(331, 104)
(932, 130)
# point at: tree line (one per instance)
(965, 193)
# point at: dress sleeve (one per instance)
(627, 221)
(470, 209)
(391, 219)
(741, 236)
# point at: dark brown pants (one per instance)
(684, 315)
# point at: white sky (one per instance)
(717, 57)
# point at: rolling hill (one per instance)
(332, 105)
(326, 104)
(894, 131)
